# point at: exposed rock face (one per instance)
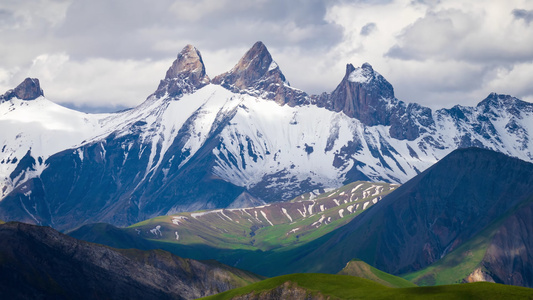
(365, 95)
(29, 89)
(509, 257)
(362, 94)
(186, 74)
(258, 74)
(478, 275)
(41, 263)
(288, 291)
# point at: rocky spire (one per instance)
(186, 74)
(257, 74)
(363, 94)
(29, 89)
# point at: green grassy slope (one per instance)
(349, 287)
(266, 227)
(361, 269)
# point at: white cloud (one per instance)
(97, 82)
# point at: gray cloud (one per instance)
(526, 15)
(132, 29)
(8, 19)
(368, 29)
(457, 35)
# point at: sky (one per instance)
(105, 55)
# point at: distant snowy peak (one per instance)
(257, 74)
(186, 75)
(29, 89)
(506, 103)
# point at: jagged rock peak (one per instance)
(186, 74)
(29, 89)
(365, 95)
(258, 74)
(364, 74)
(254, 65)
(190, 63)
(362, 94)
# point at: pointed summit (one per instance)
(29, 89)
(186, 74)
(363, 94)
(254, 65)
(258, 74)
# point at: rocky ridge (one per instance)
(258, 74)
(186, 75)
(29, 89)
(39, 262)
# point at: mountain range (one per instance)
(465, 219)
(243, 138)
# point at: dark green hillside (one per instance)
(41, 263)
(428, 217)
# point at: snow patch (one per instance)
(293, 231)
(265, 216)
(156, 231)
(286, 214)
(178, 219)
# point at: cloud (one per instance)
(526, 15)
(368, 29)
(480, 35)
(96, 82)
(144, 25)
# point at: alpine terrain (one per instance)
(242, 138)
(41, 263)
(467, 218)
